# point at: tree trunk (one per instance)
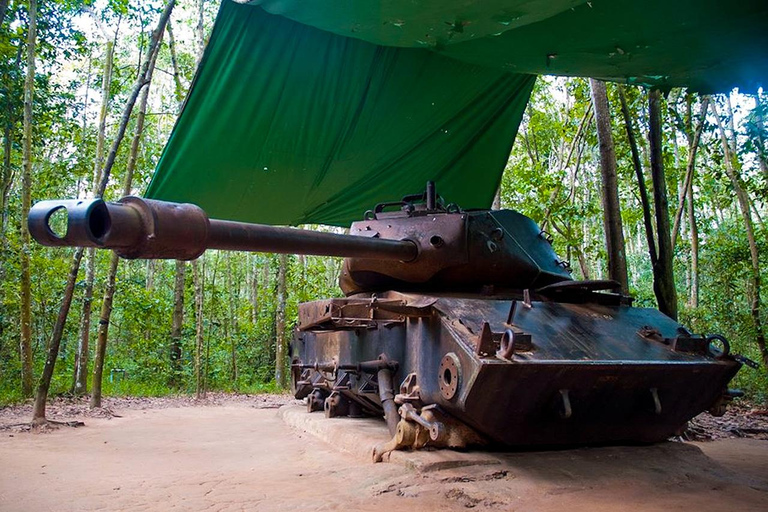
(102, 331)
(145, 75)
(177, 87)
(694, 230)
(198, 274)
(106, 84)
(232, 321)
(693, 146)
(25, 347)
(199, 30)
(109, 293)
(178, 322)
(7, 173)
(731, 124)
(149, 282)
(636, 163)
(38, 413)
(181, 266)
(255, 291)
(614, 236)
(762, 154)
(80, 374)
(280, 348)
(3, 10)
(574, 144)
(663, 271)
(732, 169)
(496, 205)
(149, 285)
(80, 384)
(7, 179)
(7, 176)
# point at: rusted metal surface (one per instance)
(360, 313)
(145, 228)
(478, 251)
(487, 338)
(585, 375)
(133, 227)
(440, 237)
(417, 248)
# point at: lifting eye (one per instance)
(507, 345)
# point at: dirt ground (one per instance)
(234, 453)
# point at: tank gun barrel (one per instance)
(144, 228)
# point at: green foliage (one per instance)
(240, 290)
(537, 180)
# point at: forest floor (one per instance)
(233, 452)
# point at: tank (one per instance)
(458, 327)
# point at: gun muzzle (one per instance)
(132, 227)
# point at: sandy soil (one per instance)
(236, 455)
(76, 408)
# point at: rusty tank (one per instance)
(458, 327)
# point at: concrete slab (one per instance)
(358, 436)
(727, 462)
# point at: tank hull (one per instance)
(578, 373)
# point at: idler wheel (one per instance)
(449, 375)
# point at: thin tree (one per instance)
(200, 30)
(231, 324)
(585, 119)
(693, 146)
(762, 154)
(663, 271)
(178, 89)
(198, 274)
(693, 138)
(25, 348)
(3, 10)
(6, 181)
(254, 295)
(614, 235)
(177, 321)
(280, 345)
(198, 277)
(640, 177)
(732, 169)
(7, 174)
(204, 341)
(694, 235)
(81, 356)
(38, 414)
(109, 292)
